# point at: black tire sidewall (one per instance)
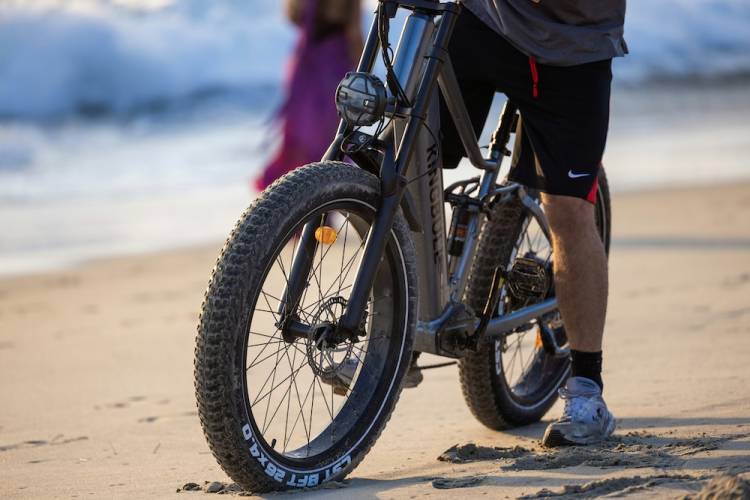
(323, 183)
(504, 411)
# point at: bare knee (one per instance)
(568, 216)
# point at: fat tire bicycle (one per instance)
(342, 269)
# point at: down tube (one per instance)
(425, 167)
(427, 193)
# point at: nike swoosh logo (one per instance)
(573, 175)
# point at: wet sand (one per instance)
(97, 397)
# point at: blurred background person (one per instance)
(329, 45)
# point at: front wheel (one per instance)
(513, 381)
(283, 411)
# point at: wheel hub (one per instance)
(327, 350)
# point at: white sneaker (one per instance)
(585, 420)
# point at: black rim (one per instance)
(299, 416)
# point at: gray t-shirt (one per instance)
(557, 32)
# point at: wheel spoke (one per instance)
(268, 404)
(299, 400)
(301, 414)
(270, 308)
(275, 386)
(280, 390)
(255, 360)
(343, 254)
(330, 410)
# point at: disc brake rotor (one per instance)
(325, 356)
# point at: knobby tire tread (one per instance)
(495, 247)
(216, 391)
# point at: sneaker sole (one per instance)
(554, 438)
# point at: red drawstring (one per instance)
(534, 77)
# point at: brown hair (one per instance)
(331, 12)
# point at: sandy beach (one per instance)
(97, 401)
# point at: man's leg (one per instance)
(580, 264)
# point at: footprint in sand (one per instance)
(126, 403)
(615, 487)
(727, 486)
(223, 488)
(459, 454)
(212, 487)
(33, 443)
(723, 486)
(634, 450)
(447, 483)
(154, 418)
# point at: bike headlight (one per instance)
(361, 99)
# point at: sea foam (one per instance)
(61, 59)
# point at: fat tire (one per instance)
(488, 400)
(219, 390)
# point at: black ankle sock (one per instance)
(587, 364)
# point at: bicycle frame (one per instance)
(409, 151)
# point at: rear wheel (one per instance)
(513, 381)
(281, 411)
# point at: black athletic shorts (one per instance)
(564, 110)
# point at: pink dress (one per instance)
(308, 118)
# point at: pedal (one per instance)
(529, 280)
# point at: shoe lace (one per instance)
(576, 405)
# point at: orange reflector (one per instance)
(538, 341)
(325, 235)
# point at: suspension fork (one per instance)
(303, 261)
(393, 181)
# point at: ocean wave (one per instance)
(682, 39)
(101, 57)
(116, 57)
